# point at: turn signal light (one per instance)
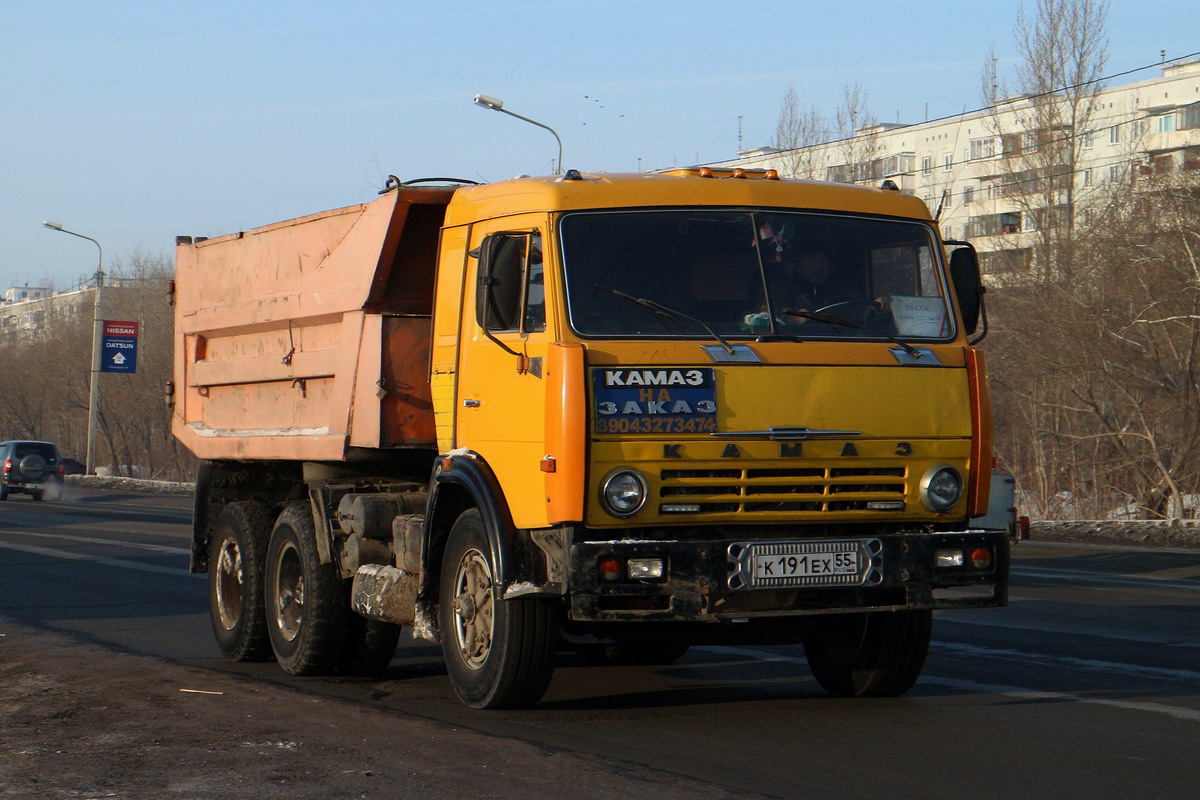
(981, 558)
(611, 569)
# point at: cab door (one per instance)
(501, 395)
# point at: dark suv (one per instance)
(35, 468)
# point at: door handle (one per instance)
(471, 403)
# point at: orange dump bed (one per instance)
(306, 338)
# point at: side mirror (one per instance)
(968, 285)
(499, 297)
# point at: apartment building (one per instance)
(29, 313)
(992, 176)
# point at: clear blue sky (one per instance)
(132, 122)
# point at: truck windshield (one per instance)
(754, 274)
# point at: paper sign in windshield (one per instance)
(920, 316)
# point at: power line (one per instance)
(1008, 101)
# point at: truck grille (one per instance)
(757, 491)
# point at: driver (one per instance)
(804, 285)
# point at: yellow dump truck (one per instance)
(619, 415)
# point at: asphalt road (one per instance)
(1087, 685)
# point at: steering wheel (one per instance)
(823, 309)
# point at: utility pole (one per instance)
(97, 323)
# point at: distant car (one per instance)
(34, 468)
(73, 467)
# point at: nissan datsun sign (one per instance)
(118, 348)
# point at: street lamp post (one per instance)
(94, 385)
(483, 101)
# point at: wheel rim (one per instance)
(474, 606)
(289, 591)
(229, 584)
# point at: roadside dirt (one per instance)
(80, 721)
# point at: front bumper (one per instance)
(699, 583)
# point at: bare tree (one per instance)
(1097, 384)
(797, 133)
(1064, 49)
(44, 376)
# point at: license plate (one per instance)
(792, 564)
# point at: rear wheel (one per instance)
(499, 653)
(305, 599)
(869, 655)
(235, 581)
(38, 494)
(369, 645)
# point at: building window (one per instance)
(1166, 123)
(982, 148)
(1190, 117)
(1087, 177)
(926, 165)
(947, 161)
(1089, 139)
(1114, 173)
(968, 195)
(1114, 134)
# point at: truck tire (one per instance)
(499, 653)
(305, 599)
(869, 655)
(369, 644)
(235, 581)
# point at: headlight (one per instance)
(623, 492)
(941, 487)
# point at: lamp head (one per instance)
(54, 226)
(484, 101)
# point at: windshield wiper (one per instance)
(834, 319)
(661, 312)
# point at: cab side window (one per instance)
(535, 288)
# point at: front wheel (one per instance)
(869, 655)
(499, 653)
